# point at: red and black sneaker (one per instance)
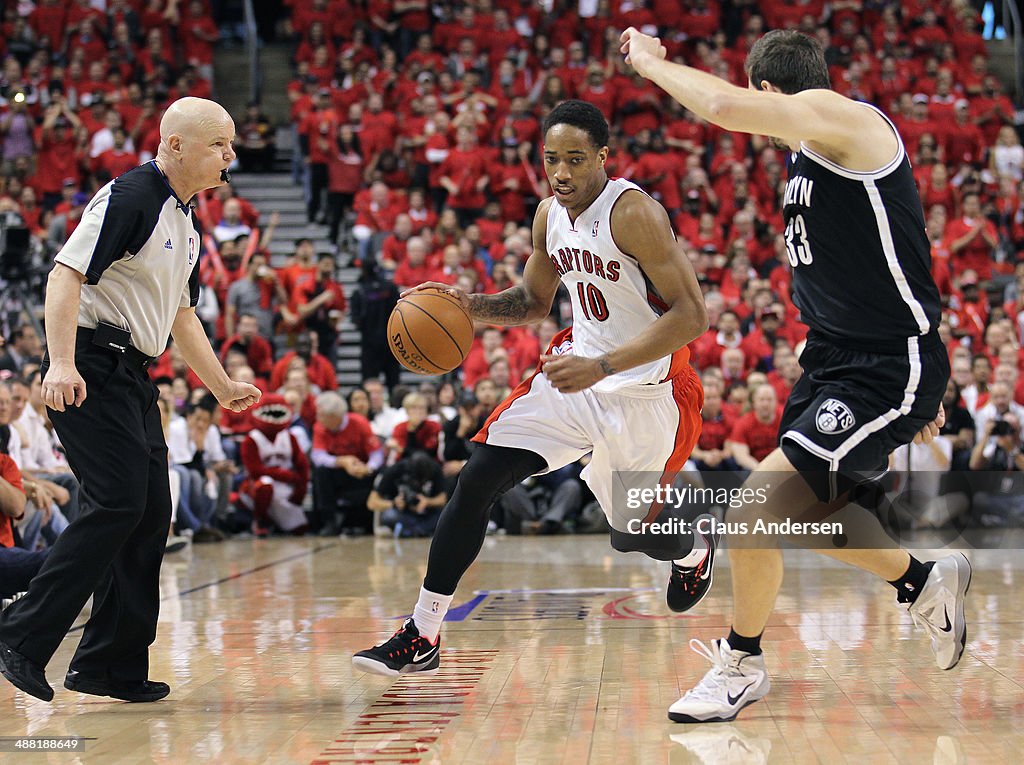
(687, 586)
(405, 652)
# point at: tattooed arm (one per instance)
(524, 304)
(531, 300)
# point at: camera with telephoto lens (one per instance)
(410, 496)
(1001, 428)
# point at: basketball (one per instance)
(430, 332)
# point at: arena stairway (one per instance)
(277, 191)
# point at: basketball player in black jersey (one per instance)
(874, 368)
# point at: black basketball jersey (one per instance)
(860, 255)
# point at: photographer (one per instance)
(1000, 404)
(457, 434)
(998, 449)
(998, 501)
(409, 496)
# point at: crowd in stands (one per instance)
(419, 131)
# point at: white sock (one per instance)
(429, 613)
(696, 555)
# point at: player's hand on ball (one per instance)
(238, 396)
(931, 430)
(636, 46)
(63, 386)
(461, 295)
(569, 373)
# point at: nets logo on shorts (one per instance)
(834, 417)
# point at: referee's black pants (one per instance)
(113, 550)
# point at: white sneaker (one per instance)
(724, 745)
(736, 678)
(939, 609)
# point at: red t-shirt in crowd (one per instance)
(426, 437)
(760, 438)
(10, 473)
(354, 437)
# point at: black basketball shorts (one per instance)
(852, 408)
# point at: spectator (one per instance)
(320, 304)
(1007, 156)
(42, 518)
(972, 239)
(302, 263)
(417, 433)
(256, 141)
(756, 433)
(17, 566)
(197, 456)
(500, 373)
(257, 349)
(372, 302)
(713, 451)
(23, 347)
(231, 225)
(998, 452)
(414, 269)
(256, 295)
(320, 370)
(482, 354)
(383, 417)
(976, 393)
(959, 427)
(345, 165)
(59, 155)
(36, 459)
(464, 176)
(409, 496)
(317, 134)
(733, 366)
(345, 456)
(1000, 404)
(395, 245)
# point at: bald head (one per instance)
(187, 115)
(195, 145)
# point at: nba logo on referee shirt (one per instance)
(834, 417)
(191, 250)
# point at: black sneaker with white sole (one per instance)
(405, 652)
(687, 586)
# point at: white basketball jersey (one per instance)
(612, 299)
(276, 453)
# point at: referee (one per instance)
(126, 279)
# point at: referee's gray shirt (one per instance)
(138, 247)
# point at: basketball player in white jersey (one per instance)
(874, 367)
(617, 385)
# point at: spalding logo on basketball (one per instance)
(834, 417)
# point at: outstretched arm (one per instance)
(838, 127)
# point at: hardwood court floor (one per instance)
(563, 652)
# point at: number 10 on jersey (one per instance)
(797, 246)
(592, 299)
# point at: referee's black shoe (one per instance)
(125, 690)
(687, 585)
(24, 673)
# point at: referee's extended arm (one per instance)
(191, 339)
(63, 385)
